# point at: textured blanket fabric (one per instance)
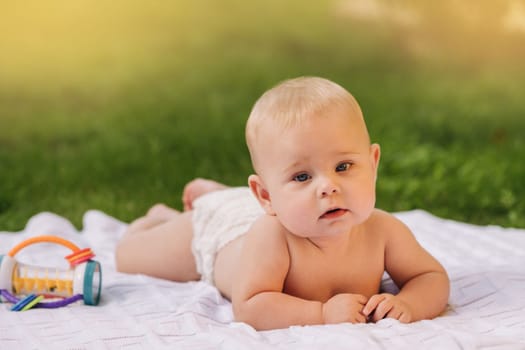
(486, 309)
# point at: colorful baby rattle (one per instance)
(82, 281)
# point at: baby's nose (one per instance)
(325, 193)
(329, 187)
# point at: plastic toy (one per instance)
(82, 281)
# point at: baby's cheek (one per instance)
(296, 220)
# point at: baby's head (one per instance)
(315, 168)
(294, 102)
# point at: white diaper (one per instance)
(218, 218)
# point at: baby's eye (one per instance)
(343, 166)
(302, 177)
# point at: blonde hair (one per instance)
(294, 101)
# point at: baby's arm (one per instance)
(423, 282)
(258, 298)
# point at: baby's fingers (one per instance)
(359, 318)
(394, 313)
(405, 317)
(382, 310)
(389, 307)
(372, 304)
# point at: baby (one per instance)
(303, 244)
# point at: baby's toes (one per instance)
(161, 211)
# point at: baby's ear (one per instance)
(375, 155)
(260, 192)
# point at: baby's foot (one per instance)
(162, 212)
(196, 188)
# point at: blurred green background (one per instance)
(115, 105)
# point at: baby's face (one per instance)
(321, 176)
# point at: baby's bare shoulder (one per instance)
(264, 256)
(266, 233)
(384, 224)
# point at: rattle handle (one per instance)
(39, 239)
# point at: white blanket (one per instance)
(486, 265)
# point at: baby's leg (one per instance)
(159, 248)
(196, 188)
(157, 214)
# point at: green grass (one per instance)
(116, 106)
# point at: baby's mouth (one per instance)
(333, 213)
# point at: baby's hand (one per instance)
(344, 308)
(387, 305)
